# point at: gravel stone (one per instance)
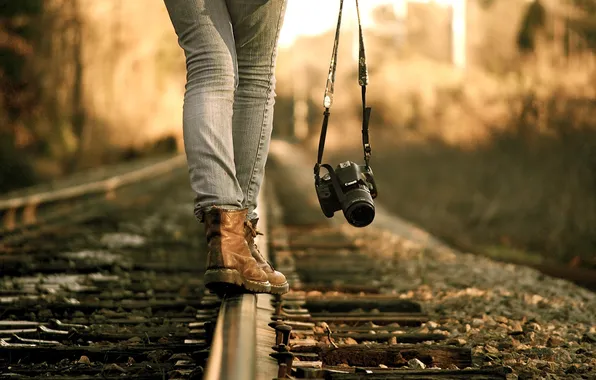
(457, 342)
(122, 240)
(113, 368)
(416, 364)
(84, 360)
(432, 325)
(501, 319)
(589, 337)
(509, 315)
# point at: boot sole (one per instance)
(280, 289)
(225, 281)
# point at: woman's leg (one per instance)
(256, 25)
(205, 34)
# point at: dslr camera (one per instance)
(350, 188)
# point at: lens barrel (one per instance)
(358, 208)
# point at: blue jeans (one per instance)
(230, 48)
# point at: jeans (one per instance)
(230, 48)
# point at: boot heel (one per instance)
(227, 281)
(223, 281)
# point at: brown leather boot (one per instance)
(279, 284)
(229, 260)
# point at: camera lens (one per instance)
(359, 208)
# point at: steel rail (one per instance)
(234, 348)
(28, 206)
(101, 186)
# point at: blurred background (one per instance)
(484, 111)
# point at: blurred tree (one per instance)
(18, 33)
(41, 75)
(486, 3)
(73, 71)
(584, 25)
(532, 24)
(60, 126)
(560, 23)
(19, 91)
(77, 116)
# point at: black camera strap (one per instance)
(329, 92)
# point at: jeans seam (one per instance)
(269, 90)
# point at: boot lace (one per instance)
(254, 233)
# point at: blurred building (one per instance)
(436, 28)
(466, 33)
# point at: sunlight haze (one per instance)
(311, 17)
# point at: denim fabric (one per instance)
(230, 48)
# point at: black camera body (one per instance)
(350, 188)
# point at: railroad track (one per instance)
(343, 320)
(118, 293)
(104, 279)
(339, 323)
(83, 293)
(49, 206)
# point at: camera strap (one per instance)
(330, 86)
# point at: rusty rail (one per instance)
(28, 205)
(234, 352)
